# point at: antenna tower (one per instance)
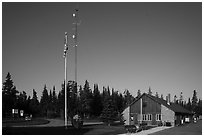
(75, 37)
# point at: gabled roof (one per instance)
(173, 106)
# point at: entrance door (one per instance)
(154, 119)
(135, 119)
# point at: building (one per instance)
(155, 111)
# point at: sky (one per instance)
(121, 45)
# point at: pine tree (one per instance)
(121, 103)
(118, 101)
(138, 93)
(54, 96)
(162, 96)
(61, 101)
(114, 97)
(105, 94)
(109, 113)
(150, 91)
(50, 100)
(86, 99)
(128, 98)
(8, 85)
(181, 99)
(157, 95)
(52, 104)
(21, 101)
(97, 105)
(28, 109)
(80, 101)
(24, 96)
(9, 95)
(188, 106)
(34, 104)
(44, 102)
(194, 101)
(72, 98)
(108, 90)
(199, 107)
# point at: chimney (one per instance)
(175, 99)
(168, 99)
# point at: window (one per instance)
(132, 118)
(144, 117)
(147, 117)
(158, 117)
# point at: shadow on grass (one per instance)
(105, 129)
(23, 122)
(86, 130)
(43, 131)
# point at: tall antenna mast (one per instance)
(75, 37)
(77, 122)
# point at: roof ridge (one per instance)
(173, 106)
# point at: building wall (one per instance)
(149, 106)
(167, 115)
(180, 118)
(126, 116)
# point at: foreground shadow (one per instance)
(44, 131)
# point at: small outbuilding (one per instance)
(155, 111)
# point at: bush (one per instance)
(168, 124)
(130, 128)
(160, 124)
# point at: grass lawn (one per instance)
(23, 122)
(86, 130)
(105, 130)
(187, 129)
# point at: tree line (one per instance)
(193, 104)
(106, 105)
(83, 100)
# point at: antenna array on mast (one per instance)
(75, 37)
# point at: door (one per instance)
(154, 119)
(135, 119)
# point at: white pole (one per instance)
(65, 60)
(141, 110)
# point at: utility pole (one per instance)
(65, 78)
